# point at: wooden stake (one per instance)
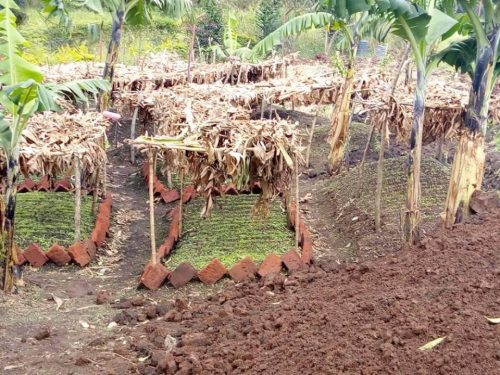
(262, 105)
(181, 177)
(380, 178)
(297, 214)
(170, 184)
(78, 198)
(152, 207)
(311, 135)
(132, 134)
(95, 194)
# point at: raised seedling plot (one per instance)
(231, 233)
(48, 218)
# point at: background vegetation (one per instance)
(87, 35)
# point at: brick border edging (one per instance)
(81, 252)
(155, 276)
(44, 185)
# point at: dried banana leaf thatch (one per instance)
(439, 120)
(51, 141)
(235, 151)
(232, 73)
(168, 107)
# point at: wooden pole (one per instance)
(132, 134)
(262, 105)
(311, 136)
(152, 207)
(95, 194)
(297, 214)
(181, 177)
(78, 198)
(380, 178)
(104, 172)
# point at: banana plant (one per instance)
(347, 17)
(478, 56)
(422, 29)
(21, 95)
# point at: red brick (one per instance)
(58, 255)
(270, 264)
(98, 236)
(292, 212)
(307, 251)
(291, 260)
(213, 272)
(231, 190)
(26, 186)
(35, 256)
(188, 193)
(44, 184)
(173, 230)
(245, 269)
(183, 274)
(20, 258)
(145, 170)
(63, 185)
(255, 187)
(154, 276)
(169, 244)
(170, 195)
(304, 235)
(108, 200)
(90, 247)
(158, 187)
(79, 254)
(174, 214)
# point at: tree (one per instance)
(477, 55)
(132, 12)
(268, 17)
(211, 25)
(21, 95)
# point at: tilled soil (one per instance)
(368, 318)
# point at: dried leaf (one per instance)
(432, 344)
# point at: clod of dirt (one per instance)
(82, 361)
(42, 333)
(102, 297)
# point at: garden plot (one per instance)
(48, 218)
(231, 233)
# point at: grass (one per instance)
(231, 233)
(48, 218)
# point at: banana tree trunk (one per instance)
(191, 52)
(112, 56)
(411, 215)
(9, 218)
(468, 165)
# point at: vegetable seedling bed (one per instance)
(48, 218)
(231, 233)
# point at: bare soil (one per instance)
(337, 317)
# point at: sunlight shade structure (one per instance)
(157, 76)
(241, 152)
(443, 117)
(66, 144)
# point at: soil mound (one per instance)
(369, 318)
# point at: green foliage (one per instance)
(231, 233)
(210, 28)
(294, 27)
(268, 17)
(48, 218)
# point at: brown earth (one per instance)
(330, 319)
(350, 319)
